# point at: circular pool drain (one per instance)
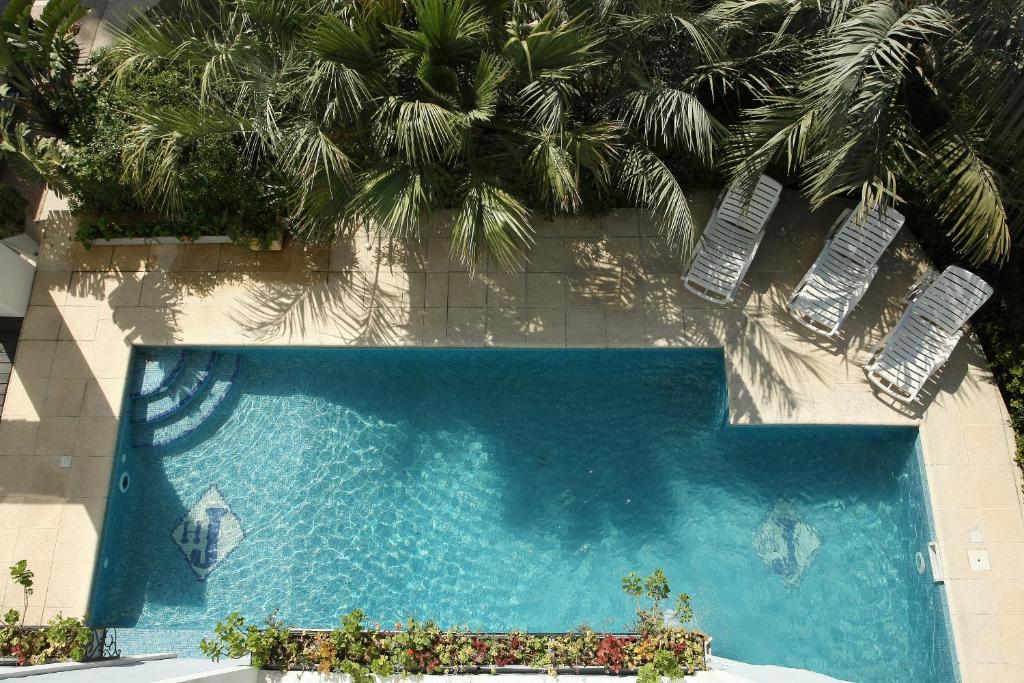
(123, 484)
(920, 563)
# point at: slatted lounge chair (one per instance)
(730, 240)
(927, 332)
(840, 276)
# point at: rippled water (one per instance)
(504, 488)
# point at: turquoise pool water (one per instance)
(512, 488)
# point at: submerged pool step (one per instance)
(196, 411)
(157, 368)
(187, 383)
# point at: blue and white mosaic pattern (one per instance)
(786, 543)
(208, 533)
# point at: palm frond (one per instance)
(669, 117)
(419, 132)
(554, 172)
(651, 184)
(490, 216)
(394, 198)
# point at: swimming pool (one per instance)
(512, 488)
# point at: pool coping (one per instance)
(604, 282)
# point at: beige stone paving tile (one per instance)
(435, 327)
(591, 256)
(436, 290)
(30, 512)
(467, 326)
(17, 437)
(956, 564)
(585, 327)
(978, 638)
(130, 258)
(466, 291)
(1010, 596)
(1012, 626)
(656, 256)
(950, 486)
(664, 327)
(138, 325)
(79, 323)
(73, 546)
(943, 443)
(506, 327)
(47, 479)
(625, 328)
(14, 471)
(56, 436)
(621, 222)
(1007, 560)
(438, 255)
(8, 537)
(609, 291)
(102, 397)
(995, 487)
(166, 257)
(63, 398)
(50, 288)
(974, 596)
(571, 226)
(25, 397)
(83, 513)
(34, 358)
(956, 524)
(36, 546)
(711, 329)
(1002, 525)
(987, 444)
(506, 290)
(96, 258)
(69, 584)
(548, 255)
(545, 290)
(96, 437)
(201, 257)
(69, 360)
(104, 289)
(988, 672)
(545, 327)
(984, 405)
(378, 327)
(41, 323)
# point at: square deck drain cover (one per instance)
(979, 560)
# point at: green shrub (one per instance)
(12, 211)
(221, 193)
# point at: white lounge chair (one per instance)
(927, 332)
(730, 240)
(844, 269)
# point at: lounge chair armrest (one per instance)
(840, 219)
(922, 283)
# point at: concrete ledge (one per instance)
(26, 671)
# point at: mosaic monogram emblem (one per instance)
(208, 533)
(786, 543)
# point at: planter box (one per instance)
(136, 241)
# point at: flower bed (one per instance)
(423, 647)
(661, 646)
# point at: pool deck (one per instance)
(608, 282)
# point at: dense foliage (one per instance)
(660, 646)
(12, 211)
(380, 112)
(220, 194)
(898, 100)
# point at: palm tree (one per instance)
(381, 112)
(903, 100)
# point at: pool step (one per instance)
(195, 412)
(158, 368)
(178, 392)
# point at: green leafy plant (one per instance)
(655, 589)
(12, 211)
(24, 577)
